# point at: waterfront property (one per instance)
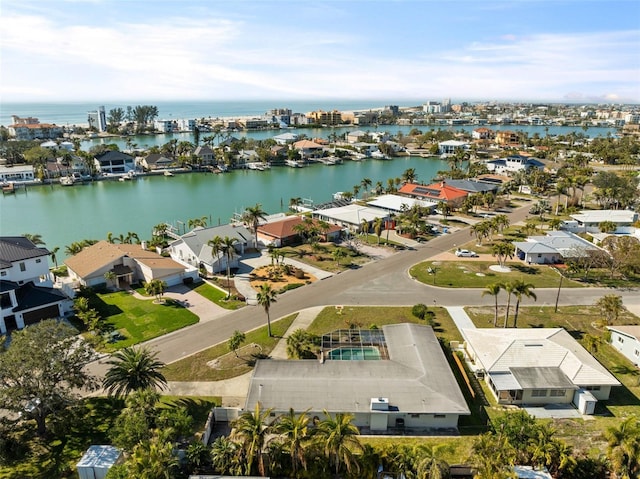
(626, 339)
(405, 384)
(351, 216)
(129, 263)
(537, 366)
(286, 232)
(115, 162)
(26, 292)
(437, 192)
(397, 204)
(16, 173)
(513, 164)
(193, 249)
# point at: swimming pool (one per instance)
(354, 354)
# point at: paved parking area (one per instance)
(553, 411)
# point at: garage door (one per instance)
(39, 314)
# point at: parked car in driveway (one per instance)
(465, 253)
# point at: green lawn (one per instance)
(88, 424)
(476, 274)
(322, 256)
(140, 320)
(197, 367)
(217, 296)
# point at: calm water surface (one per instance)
(63, 215)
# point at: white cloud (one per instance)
(214, 57)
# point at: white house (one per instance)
(16, 173)
(351, 216)
(115, 162)
(555, 247)
(535, 366)
(588, 221)
(626, 339)
(392, 378)
(513, 164)
(193, 249)
(26, 292)
(450, 147)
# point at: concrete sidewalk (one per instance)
(304, 319)
(461, 318)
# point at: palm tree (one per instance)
(197, 222)
(152, 459)
(35, 239)
(266, 296)
(53, 253)
(366, 184)
(338, 254)
(252, 216)
(623, 447)
(251, 430)
(155, 287)
(216, 246)
(294, 431)
(430, 464)
(110, 276)
(409, 175)
(520, 289)
(225, 456)
(508, 288)
(377, 227)
(503, 250)
(339, 438)
(132, 369)
(228, 249)
(160, 229)
(494, 290)
(236, 339)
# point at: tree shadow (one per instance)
(105, 310)
(525, 269)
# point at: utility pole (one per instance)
(558, 295)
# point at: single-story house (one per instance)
(555, 247)
(588, 221)
(536, 366)
(396, 377)
(16, 173)
(351, 216)
(626, 339)
(283, 232)
(285, 138)
(130, 263)
(193, 249)
(398, 204)
(474, 186)
(513, 163)
(437, 192)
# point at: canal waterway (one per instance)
(62, 215)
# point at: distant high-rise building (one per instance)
(97, 119)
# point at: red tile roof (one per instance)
(285, 228)
(435, 191)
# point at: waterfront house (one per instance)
(155, 161)
(16, 173)
(536, 366)
(512, 164)
(357, 136)
(508, 138)
(588, 221)
(206, 154)
(474, 186)
(26, 292)
(284, 232)
(391, 379)
(626, 339)
(114, 162)
(308, 148)
(35, 131)
(554, 247)
(285, 138)
(193, 249)
(437, 192)
(483, 134)
(131, 263)
(449, 147)
(398, 204)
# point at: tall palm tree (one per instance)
(378, 224)
(409, 175)
(132, 369)
(339, 438)
(294, 432)
(216, 247)
(53, 253)
(251, 431)
(520, 289)
(252, 216)
(493, 289)
(266, 296)
(508, 288)
(503, 250)
(366, 184)
(228, 249)
(224, 456)
(430, 463)
(152, 459)
(35, 239)
(610, 307)
(197, 222)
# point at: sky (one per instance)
(480, 50)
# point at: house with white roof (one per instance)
(555, 247)
(513, 164)
(398, 204)
(536, 366)
(193, 249)
(396, 377)
(351, 216)
(285, 138)
(588, 221)
(626, 339)
(450, 147)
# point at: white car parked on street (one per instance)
(465, 253)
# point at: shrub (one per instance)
(419, 310)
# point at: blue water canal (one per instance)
(63, 215)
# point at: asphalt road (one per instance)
(383, 282)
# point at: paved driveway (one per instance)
(197, 304)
